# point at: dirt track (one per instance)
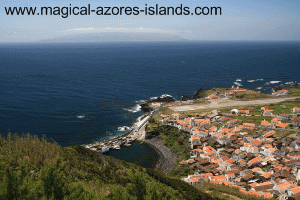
(214, 104)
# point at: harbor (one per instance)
(136, 133)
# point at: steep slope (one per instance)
(34, 168)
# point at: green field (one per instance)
(296, 92)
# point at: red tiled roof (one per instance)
(267, 174)
(254, 160)
(282, 125)
(265, 123)
(296, 190)
(249, 124)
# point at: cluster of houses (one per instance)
(264, 164)
(281, 93)
(225, 95)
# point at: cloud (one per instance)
(109, 29)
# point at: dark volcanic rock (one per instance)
(185, 98)
(145, 107)
(199, 94)
(163, 99)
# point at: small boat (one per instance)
(80, 116)
(117, 147)
(105, 149)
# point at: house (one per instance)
(256, 143)
(281, 93)
(270, 134)
(176, 115)
(268, 151)
(230, 176)
(293, 191)
(213, 129)
(282, 125)
(212, 96)
(268, 112)
(296, 144)
(164, 118)
(222, 119)
(264, 124)
(224, 141)
(191, 181)
(283, 117)
(296, 110)
(296, 122)
(181, 123)
(275, 122)
(254, 161)
(194, 139)
(199, 122)
(231, 123)
(238, 91)
(282, 187)
(249, 148)
(218, 178)
(248, 126)
(244, 112)
(196, 152)
(200, 133)
(266, 176)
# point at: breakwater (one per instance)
(115, 142)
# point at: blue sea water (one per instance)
(74, 93)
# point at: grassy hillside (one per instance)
(248, 95)
(34, 168)
(177, 141)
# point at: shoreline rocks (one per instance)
(167, 159)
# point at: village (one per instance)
(238, 153)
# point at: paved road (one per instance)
(230, 103)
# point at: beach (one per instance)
(167, 159)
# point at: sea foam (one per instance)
(134, 109)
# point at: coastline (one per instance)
(167, 159)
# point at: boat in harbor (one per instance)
(104, 149)
(117, 147)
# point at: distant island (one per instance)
(113, 37)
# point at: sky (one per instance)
(240, 20)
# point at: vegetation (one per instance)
(35, 168)
(219, 191)
(252, 119)
(284, 107)
(295, 91)
(177, 141)
(251, 95)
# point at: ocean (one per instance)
(75, 93)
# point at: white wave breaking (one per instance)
(238, 80)
(238, 84)
(134, 109)
(161, 96)
(272, 82)
(250, 81)
(259, 88)
(140, 101)
(124, 128)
